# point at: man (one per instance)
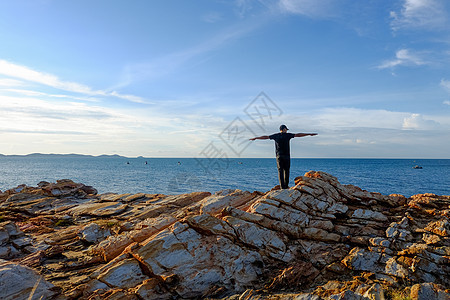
(282, 151)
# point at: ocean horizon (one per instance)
(119, 174)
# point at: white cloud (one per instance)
(447, 102)
(345, 117)
(28, 74)
(428, 14)
(348, 118)
(403, 57)
(7, 82)
(31, 93)
(417, 121)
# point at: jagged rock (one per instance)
(199, 262)
(369, 215)
(19, 282)
(114, 245)
(92, 233)
(426, 291)
(151, 289)
(11, 228)
(65, 187)
(215, 203)
(363, 260)
(283, 244)
(125, 274)
(103, 209)
(4, 236)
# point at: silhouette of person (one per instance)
(282, 151)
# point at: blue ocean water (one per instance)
(182, 175)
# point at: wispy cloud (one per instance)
(212, 17)
(348, 117)
(169, 63)
(28, 74)
(445, 84)
(55, 132)
(7, 82)
(403, 57)
(31, 93)
(426, 14)
(310, 8)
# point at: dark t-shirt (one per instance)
(282, 143)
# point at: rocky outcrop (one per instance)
(317, 240)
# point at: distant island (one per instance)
(72, 155)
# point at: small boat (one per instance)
(240, 162)
(417, 167)
(145, 163)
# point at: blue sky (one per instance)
(168, 78)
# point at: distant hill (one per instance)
(72, 155)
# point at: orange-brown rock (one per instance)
(317, 240)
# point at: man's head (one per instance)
(283, 128)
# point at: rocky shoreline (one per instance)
(317, 240)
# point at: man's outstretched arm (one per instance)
(263, 137)
(304, 134)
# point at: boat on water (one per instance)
(417, 167)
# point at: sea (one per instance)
(168, 176)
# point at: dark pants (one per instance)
(283, 164)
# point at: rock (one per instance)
(317, 240)
(261, 238)
(362, 260)
(199, 262)
(395, 269)
(215, 203)
(92, 233)
(296, 275)
(347, 295)
(430, 239)
(398, 231)
(114, 245)
(150, 289)
(369, 215)
(426, 291)
(441, 227)
(125, 274)
(21, 242)
(375, 292)
(66, 187)
(103, 209)
(4, 236)
(380, 242)
(19, 282)
(11, 228)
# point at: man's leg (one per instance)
(280, 171)
(283, 171)
(287, 166)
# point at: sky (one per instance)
(199, 78)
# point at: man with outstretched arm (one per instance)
(283, 152)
